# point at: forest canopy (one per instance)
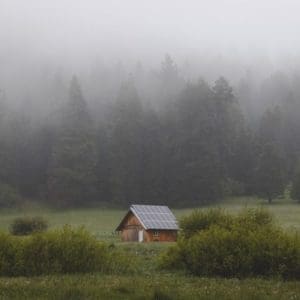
(149, 137)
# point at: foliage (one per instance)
(200, 220)
(125, 142)
(249, 244)
(163, 139)
(144, 280)
(28, 225)
(60, 251)
(194, 141)
(270, 173)
(192, 150)
(71, 173)
(136, 287)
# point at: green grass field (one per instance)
(148, 282)
(160, 287)
(102, 221)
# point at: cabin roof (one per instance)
(157, 217)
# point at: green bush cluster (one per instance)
(201, 220)
(28, 225)
(249, 244)
(60, 251)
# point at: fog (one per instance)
(67, 31)
(206, 39)
(92, 27)
(148, 101)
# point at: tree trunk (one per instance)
(270, 200)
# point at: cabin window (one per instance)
(156, 233)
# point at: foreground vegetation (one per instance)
(214, 243)
(58, 252)
(142, 278)
(161, 286)
(146, 282)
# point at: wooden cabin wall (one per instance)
(163, 236)
(131, 227)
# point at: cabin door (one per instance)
(141, 236)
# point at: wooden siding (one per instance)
(131, 226)
(160, 236)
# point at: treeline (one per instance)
(196, 145)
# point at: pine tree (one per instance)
(126, 146)
(270, 173)
(71, 179)
(192, 163)
(3, 158)
(229, 125)
(2, 105)
(170, 81)
(295, 191)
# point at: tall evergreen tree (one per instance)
(229, 124)
(270, 173)
(170, 81)
(192, 162)
(3, 136)
(71, 179)
(295, 191)
(126, 147)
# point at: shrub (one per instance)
(63, 251)
(200, 220)
(249, 244)
(28, 225)
(9, 254)
(253, 218)
(240, 253)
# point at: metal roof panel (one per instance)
(155, 216)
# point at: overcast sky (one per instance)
(215, 37)
(141, 27)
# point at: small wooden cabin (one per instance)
(148, 223)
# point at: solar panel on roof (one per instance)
(155, 217)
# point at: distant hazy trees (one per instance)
(295, 191)
(195, 147)
(71, 174)
(126, 147)
(270, 175)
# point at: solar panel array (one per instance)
(155, 216)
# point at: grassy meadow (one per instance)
(148, 282)
(102, 221)
(162, 286)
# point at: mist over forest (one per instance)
(176, 102)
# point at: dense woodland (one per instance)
(151, 136)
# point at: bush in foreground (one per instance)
(249, 244)
(28, 225)
(60, 251)
(200, 220)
